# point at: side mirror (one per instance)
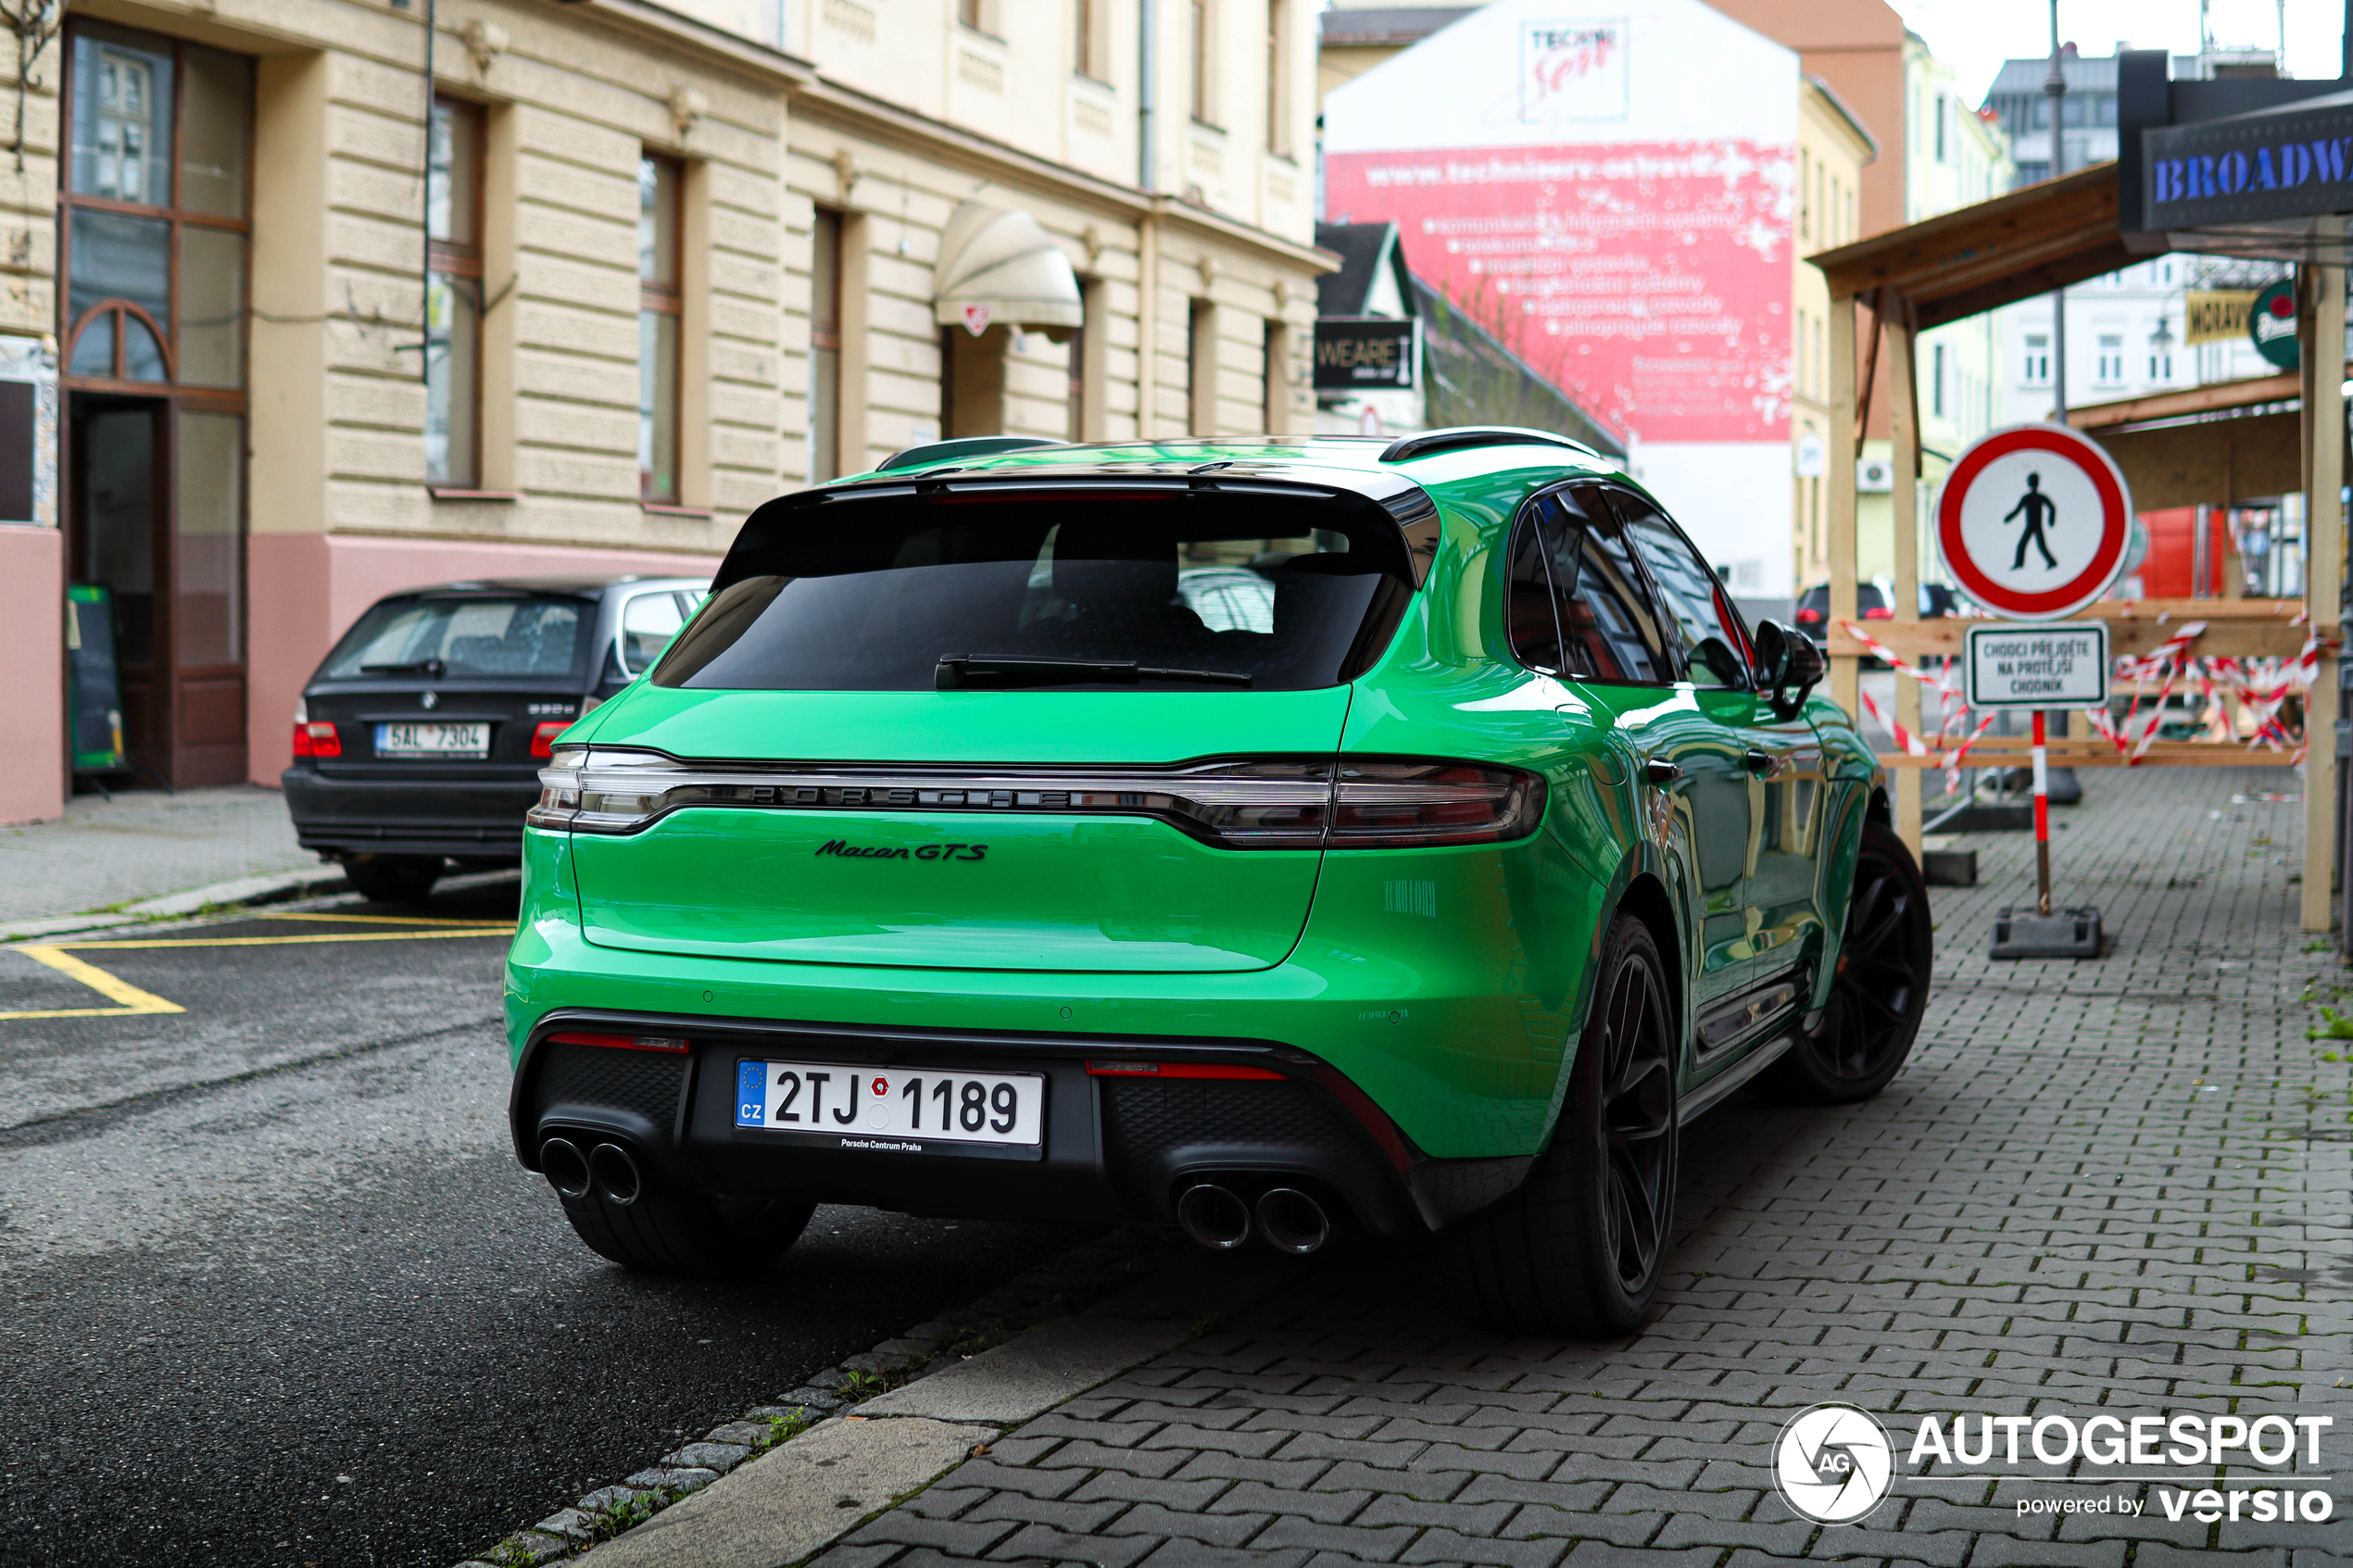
(1788, 666)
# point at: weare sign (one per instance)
(1361, 351)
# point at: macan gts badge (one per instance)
(1260, 837)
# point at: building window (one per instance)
(453, 297)
(1936, 380)
(1199, 47)
(825, 348)
(1278, 385)
(1804, 195)
(1201, 368)
(978, 15)
(1941, 104)
(1277, 77)
(660, 182)
(2111, 360)
(2160, 367)
(1090, 39)
(2037, 369)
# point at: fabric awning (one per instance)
(999, 268)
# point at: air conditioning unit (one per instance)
(1874, 475)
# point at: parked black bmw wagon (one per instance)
(419, 741)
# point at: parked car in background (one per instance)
(418, 740)
(1814, 609)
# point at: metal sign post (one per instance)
(2037, 668)
(2033, 522)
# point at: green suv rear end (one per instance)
(1262, 836)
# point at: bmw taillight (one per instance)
(314, 737)
(543, 739)
(1808, 617)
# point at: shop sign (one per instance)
(1358, 352)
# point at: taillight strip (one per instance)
(617, 1042)
(1123, 1068)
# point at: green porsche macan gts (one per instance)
(1268, 836)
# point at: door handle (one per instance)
(1758, 761)
(1661, 772)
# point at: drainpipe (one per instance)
(1148, 227)
(424, 214)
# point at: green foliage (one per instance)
(2338, 1026)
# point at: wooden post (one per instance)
(2321, 327)
(1904, 406)
(1846, 670)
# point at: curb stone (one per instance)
(274, 889)
(1111, 1275)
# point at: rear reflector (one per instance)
(543, 739)
(619, 1042)
(1119, 1069)
(316, 738)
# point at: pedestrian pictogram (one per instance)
(2033, 521)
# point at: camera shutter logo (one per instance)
(1833, 1463)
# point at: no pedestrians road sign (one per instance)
(2033, 520)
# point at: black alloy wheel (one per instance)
(1579, 1249)
(1881, 992)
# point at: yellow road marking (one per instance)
(395, 919)
(133, 999)
(286, 941)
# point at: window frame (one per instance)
(1524, 515)
(660, 298)
(216, 399)
(1744, 646)
(826, 234)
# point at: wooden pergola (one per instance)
(2050, 236)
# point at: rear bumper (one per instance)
(478, 818)
(1114, 1147)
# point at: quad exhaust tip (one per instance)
(565, 1167)
(615, 1171)
(1292, 1222)
(1214, 1216)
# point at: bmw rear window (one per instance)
(1063, 587)
(475, 635)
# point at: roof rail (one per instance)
(963, 447)
(1447, 440)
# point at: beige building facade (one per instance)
(1833, 150)
(309, 325)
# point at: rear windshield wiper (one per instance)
(959, 671)
(432, 667)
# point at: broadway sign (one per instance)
(2254, 168)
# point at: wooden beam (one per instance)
(2085, 198)
(2229, 639)
(1904, 447)
(1845, 671)
(2321, 327)
(2217, 399)
(2216, 756)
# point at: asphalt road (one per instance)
(273, 1291)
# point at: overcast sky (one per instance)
(1976, 36)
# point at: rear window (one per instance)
(517, 635)
(1071, 589)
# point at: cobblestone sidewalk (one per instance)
(2116, 1187)
(142, 844)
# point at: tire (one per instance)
(1881, 992)
(1578, 1250)
(394, 879)
(689, 1234)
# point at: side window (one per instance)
(648, 623)
(1609, 629)
(1527, 605)
(1697, 610)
